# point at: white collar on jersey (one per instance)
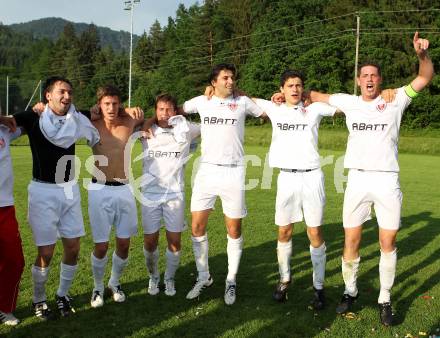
(64, 131)
(299, 105)
(223, 100)
(178, 127)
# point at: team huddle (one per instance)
(54, 209)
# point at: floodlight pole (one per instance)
(7, 95)
(358, 20)
(130, 7)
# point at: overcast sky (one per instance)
(107, 13)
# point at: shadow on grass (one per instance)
(255, 314)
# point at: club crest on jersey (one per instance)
(2, 142)
(381, 107)
(232, 105)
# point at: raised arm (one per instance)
(319, 97)
(426, 68)
(9, 121)
(147, 127)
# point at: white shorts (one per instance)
(367, 188)
(225, 182)
(170, 208)
(51, 214)
(111, 205)
(300, 194)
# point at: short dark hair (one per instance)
(165, 97)
(218, 68)
(290, 74)
(370, 63)
(50, 82)
(108, 90)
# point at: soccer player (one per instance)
(165, 155)
(11, 253)
(111, 201)
(300, 186)
(221, 173)
(373, 177)
(54, 200)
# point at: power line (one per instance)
(402, 11)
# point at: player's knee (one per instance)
(315, 236)
(71, 251)
(150, 246)
(122, 249)
(198, 229)
(150, 243)
(387, 245)
(234, 232)
(100, 250)
(284, 233)
(352, 244)
(44, 256)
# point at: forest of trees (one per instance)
(262, 37)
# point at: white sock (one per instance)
(200, 249)
(67, 273)
(173, 259)
(387, 272)
(234, 250)
(39, 278)
(349, 274)
(319, 258)
(152, 262)
(118, 265)
(284, 253)
(98, 269)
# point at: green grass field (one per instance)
(416, 294)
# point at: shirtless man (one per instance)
(111, 201)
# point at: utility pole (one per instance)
(129, 6)
(358, 19)
(7, 95)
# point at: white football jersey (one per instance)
(6, 177)
(164, 159)
(374, 130)
(295, 133)
(222, 126)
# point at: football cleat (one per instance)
(8, 319)
(170, 289)
(97, 299)
(42, 311)
(198, 286)
(386, 314)
(153, 286)
(64, 306)
(346, 303)
(230, 293)
(117, 293)
(318, 301)
(280, 293)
